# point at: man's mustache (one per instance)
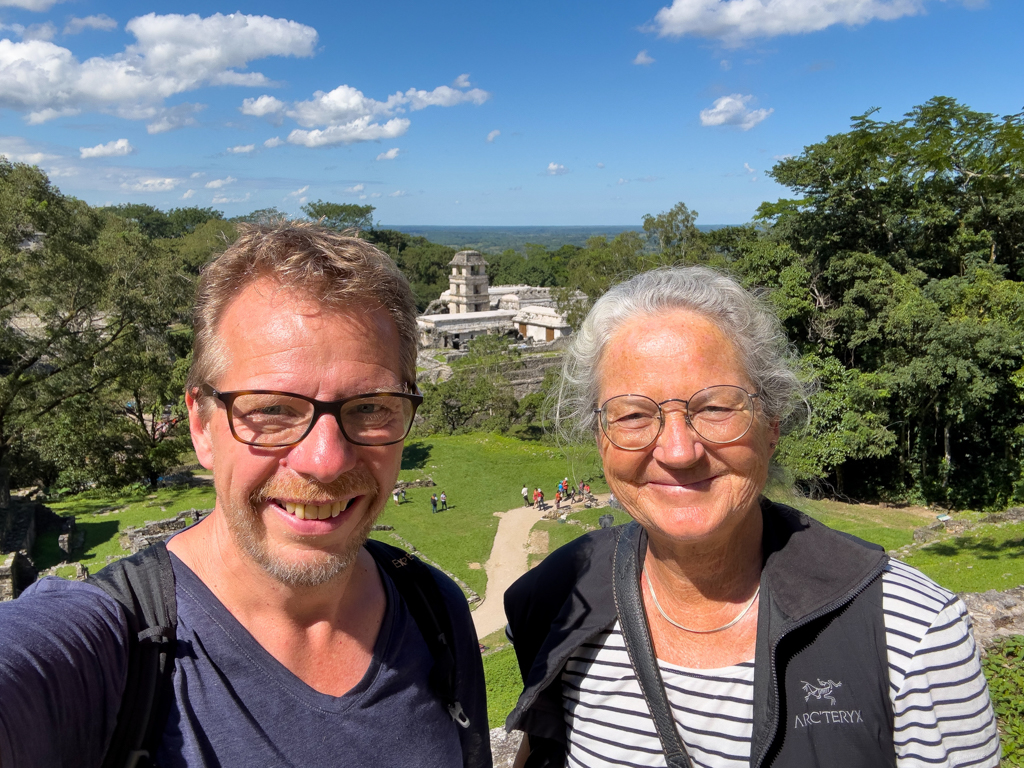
(358, 482)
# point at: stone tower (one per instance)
(467, 285)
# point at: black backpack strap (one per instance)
(415, 583)
(637, 637)
(143, 584)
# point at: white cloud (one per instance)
(172, 118)
(18, 150)
(116, 148)
(151, 185)
(101, 22)
(748, 168)
(45, 31)
(554, 169)
(493, 135)
(391, 154)
(442, 96)
(622, 181)
(221, 199)
(197, 174)
(361, 129)
(725, 64)
(736, 21)
(172, 54)
(241, 149)
(340, 106)
(781, 157)
(375, 194)
(218, 183)
(732, 110)
(462, 81)
(355, 188)
(277, 141)
(298, 192)
(346, 104)
(643, 58)
(348, 115)
(600, 165)
(30, 5)
(264, 105)
(188, 194)
(399, 193)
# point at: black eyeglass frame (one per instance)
(320, 407)
(602, 417)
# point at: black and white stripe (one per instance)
(942, 712)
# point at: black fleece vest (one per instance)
(821, 679)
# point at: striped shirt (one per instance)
(943, 716)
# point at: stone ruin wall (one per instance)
(136, 539)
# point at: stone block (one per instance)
(16, 572)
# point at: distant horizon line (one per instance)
(381, 225)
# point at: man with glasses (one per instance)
(293, 644)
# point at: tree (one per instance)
(674, 235)
(478, 394)
(424, 263)
(152, 222)
(261, 216)
(76, 287)
(595, 268)
(340, 215)
(155, 224)
(899, 261)
(186, 220)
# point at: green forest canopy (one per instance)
(896, 266)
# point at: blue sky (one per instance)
(475, 113)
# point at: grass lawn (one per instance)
(560, 533)
(892, 528)
(991, 557)
(504, 684)
(102, 528)
(481, 474)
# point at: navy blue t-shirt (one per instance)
(62, 670)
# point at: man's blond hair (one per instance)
(336, 270)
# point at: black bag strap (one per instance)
(143, 584)
(415, 583)
(636, 634)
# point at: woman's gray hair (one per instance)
(744, 317)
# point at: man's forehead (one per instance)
(266, 302)
(271, 328)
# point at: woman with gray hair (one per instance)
(719, 628)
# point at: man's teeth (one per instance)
(314, 511)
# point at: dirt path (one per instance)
(508, 561)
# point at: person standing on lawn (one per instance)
(444, 501)
(526, 496)
(293, 644)
(433, 503)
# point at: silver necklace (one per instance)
(654, 597)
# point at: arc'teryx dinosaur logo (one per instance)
(823, 690)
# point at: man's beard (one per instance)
(317, 567)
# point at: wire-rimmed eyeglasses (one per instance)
(271, 419)
(719, 414)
